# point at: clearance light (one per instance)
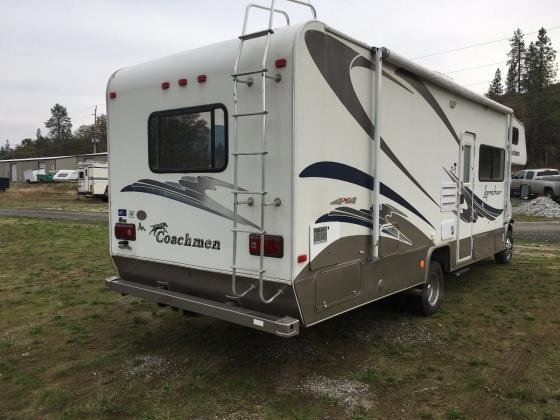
(302, 258)
(126, 231)
(422, 264)
(182, 82)
(273, 245)
(281, 62)
(165, 85)
(112, 95)
(201, 78)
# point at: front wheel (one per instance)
(429, 297)
(505, 256)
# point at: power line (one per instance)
(477, 83)
(476, 67)
(480, 44)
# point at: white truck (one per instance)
(93, 179)
(530, 182)
(293, 174)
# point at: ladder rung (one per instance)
(248, 192)
(256, 232)
(247, 73)
(253, 270)
(256, 34)
(248, 114)
(249, 153)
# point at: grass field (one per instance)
(68, 348)
(59, 196)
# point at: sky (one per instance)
(65, 50)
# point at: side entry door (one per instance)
(466, 216)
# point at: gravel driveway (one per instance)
(82, 216)
(547, 232)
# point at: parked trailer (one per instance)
(30, 175)
(335, 175)
(65, 175)
(93, 179)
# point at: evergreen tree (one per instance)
(5, 150)
(540, 63)
(516, 56)
(496, 88)
(59, 124)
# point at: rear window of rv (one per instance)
(188, 140)
(491, 164)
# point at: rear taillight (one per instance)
(273, 245)
(126, 231)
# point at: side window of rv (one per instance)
(188, 140)
(491, 164)
(515, 136)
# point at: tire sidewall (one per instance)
(427, 308)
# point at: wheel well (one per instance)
(545, 189)
(442, 256)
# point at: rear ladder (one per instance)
(244, 77)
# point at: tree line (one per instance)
(60, 140)
(532, 91)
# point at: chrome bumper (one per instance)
(284, 327)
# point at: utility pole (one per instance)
(94, 138)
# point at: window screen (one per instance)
(188, 140)
(491, 163)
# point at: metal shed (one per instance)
(14, 168)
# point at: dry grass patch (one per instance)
(55, 196)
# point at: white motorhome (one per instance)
(93, 179)
(293, 174)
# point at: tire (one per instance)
(428, 298)
(549, 194)
(525, 192)
(505, 256)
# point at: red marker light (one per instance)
(125, 231)
(273, 245)
(182, 82)
(201, 78)
(165, 85)
(112, 95)
(281, 62)
(302, 258)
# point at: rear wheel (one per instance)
(549, 194)
(505, 256)
(428, 298)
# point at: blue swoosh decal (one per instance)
(346, 173)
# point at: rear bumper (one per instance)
(281, 326)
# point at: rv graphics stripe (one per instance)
(334, 59)
(392, 223)
(192, 191)
(476, 204)
(346, 173)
